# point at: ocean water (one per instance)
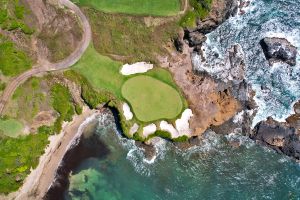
(277, 87)
(212, 170)
(215, 169)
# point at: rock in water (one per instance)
(280, 136)
(279, 49)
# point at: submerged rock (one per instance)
(279, 49)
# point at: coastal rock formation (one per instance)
(220, 11)
(280, 136)
(279, 49)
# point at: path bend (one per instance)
(48, 67)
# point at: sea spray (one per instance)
(276, 87)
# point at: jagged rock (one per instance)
(178, 43)
(279, 49)
(280, 136)
(194, 38)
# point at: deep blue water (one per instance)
(214, 169)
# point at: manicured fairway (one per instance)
(101, 71)
(10, 127)
(152, 99)
(136, 7)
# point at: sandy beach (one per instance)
(37, 183)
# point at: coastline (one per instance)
(39, 180)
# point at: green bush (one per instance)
(183, 138)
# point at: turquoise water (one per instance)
(212, 170)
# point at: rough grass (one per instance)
(12, 16)
(200, 10)
(13, 61)
(10, 127)
(135, 7)
(128, 37)
(17, 157)
(151, 99)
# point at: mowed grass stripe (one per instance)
(152, 99)
(135, 7)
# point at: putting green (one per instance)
(152, 99)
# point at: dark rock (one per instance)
(279, 49)
(178, 43)
(194, 38)
(280, 136)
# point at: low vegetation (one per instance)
(13, 61)
(62, 103)
(12, 16)
(200, 9)
(152, 99)
(136, 7)
(17, 157)
(127, 38)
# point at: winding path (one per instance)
(48, 67)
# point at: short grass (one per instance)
(10, 127)
(152, 99)
(102, 72)
(13, 61)
(17, 157)
(135, 7)
(128, 37)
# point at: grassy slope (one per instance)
(151, 99)
(200, 10)
(128, 36)
(10, 127)
(136, 7)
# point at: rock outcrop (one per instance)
(220, 11)
(280, 136)
(279, 49)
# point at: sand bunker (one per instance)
(133, 129)
(136, 68)
(182, 125)
(148, 130)
(127, 112)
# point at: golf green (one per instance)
(152, 99)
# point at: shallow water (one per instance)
(213, 170)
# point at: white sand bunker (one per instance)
(136, 68)
(148, 130)
(133, 129)
(182, 125)
(127, 112)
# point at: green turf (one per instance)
(135, 7)
(102, 72)
(152, 99)
(11, 127)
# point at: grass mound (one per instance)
(152, 99)
(135, 7)
(10, 127)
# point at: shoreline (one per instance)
(40, 179)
